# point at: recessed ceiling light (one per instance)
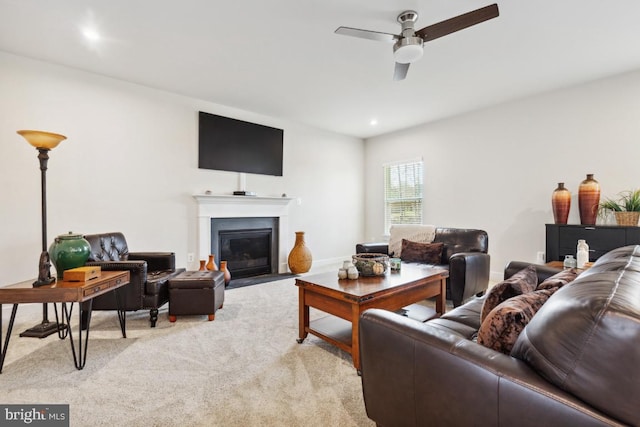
(373, 122)
(91, 34)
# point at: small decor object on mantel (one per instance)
(561, 204)
(588, 200)
(626, 208)
(300, 258)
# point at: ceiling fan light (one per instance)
(408, 50)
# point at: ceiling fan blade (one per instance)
(400, 72)
(366, 34)
(458, 23)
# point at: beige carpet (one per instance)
(243, 369)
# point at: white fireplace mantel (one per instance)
(227, 206)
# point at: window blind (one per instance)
(403, 198)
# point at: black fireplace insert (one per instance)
(248, 245)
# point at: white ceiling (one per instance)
(281, 57)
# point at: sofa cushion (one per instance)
(502, 326)
(559, 279)
(427, 253)
(414, 232)
(520, 283)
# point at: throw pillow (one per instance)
(559, 279)
(522, 282)
(428, 253)
(500, 330)
(415, 232)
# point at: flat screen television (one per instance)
(234, 145)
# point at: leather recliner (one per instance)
(465, 255)
(150, 272)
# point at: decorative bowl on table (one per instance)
(371, 264)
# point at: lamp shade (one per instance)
(41, 139)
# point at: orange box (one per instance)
(81, 274)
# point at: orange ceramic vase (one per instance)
(300, 256)
(211, 265)
(225, 269)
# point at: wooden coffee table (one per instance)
(346, 299)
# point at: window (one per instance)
(403, 182)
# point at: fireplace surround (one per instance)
(212, 207)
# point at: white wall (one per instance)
(495, 169)
(130, 164)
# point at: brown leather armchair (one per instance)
(150, 272)
(464, 255)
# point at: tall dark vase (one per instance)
(561, 204)
(588, 200)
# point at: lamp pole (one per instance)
(44, 268)
(43, 142)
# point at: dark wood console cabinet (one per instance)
(563, 239)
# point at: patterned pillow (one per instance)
(428, 253)
(522, 282)
(500, 330)
(415, 232)
(559, 279)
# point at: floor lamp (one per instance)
(43, 142)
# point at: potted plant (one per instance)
(626, 207)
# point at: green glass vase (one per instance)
(69, 251)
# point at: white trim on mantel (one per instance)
(227, 206)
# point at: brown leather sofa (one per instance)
(577, 364)
(150, 271)
(465, 255)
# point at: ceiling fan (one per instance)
(407, 46)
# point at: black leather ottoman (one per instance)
(196, 292)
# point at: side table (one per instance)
(65, 292)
